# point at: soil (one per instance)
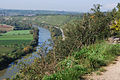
(112, 72)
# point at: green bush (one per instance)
(88, 59)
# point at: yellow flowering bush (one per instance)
(115, 25)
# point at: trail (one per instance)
(63, 36)
(112, 72)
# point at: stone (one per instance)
(111, 39)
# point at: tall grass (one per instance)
(86, 60)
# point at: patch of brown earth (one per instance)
(112, 72)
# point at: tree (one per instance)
(118, 12)
(96, 8)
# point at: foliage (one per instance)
(16, 44)
(88, 59)
(115, 27)
(79, 53)
(87, 31)
(84, 61)
(27, 49)
(115, 23)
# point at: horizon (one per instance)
(55, 5)
(38, 10)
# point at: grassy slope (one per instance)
(47, 19)
(73, 67)
(85, 61)
(53, 20)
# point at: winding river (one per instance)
(13, 69)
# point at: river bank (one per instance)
(8, 70)
(18, 52)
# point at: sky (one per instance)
(60, 5)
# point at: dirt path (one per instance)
(112, 72)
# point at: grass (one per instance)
(47, 19)
(88, 59)
(98, 73)
(5, 49)
(14, 42)
(16, 37)
(102, 70)
(18, 32)
(54, 20)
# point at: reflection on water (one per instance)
(13, 68)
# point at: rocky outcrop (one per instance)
(114, 40)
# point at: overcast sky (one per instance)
(61, 5)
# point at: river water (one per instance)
(13, 69)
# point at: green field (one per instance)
(16, 37)
(54, 20)
(18, 32)
(12, 44)
(14, 40)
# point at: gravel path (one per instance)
(112, 72)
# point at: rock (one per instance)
(111, 39)
(116, 39)
(115, 42)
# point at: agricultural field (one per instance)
(12, 44)
(55, 19)
(16, 37)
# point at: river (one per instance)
(13, 69)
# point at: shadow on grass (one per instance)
(5, 62)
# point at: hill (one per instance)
(12, 12)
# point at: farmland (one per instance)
(25, 22)
(12, 44)
(15, 37)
